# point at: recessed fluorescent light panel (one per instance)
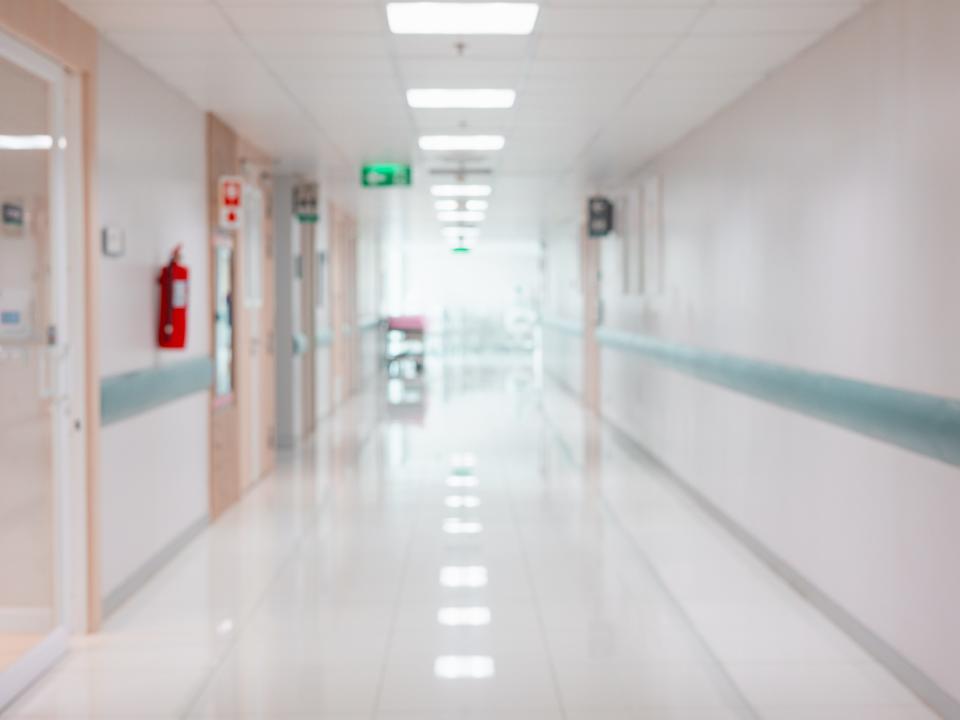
(461, 216)
(478, 143)
(447, 205)
(26, 142)
(455, 526)
(464, 191)
(461, 481)
(463, 461)
(481, 99)
(462, 501)
(477, 205)
(458, 18)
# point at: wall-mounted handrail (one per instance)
(129, 394)
(925, 424)
(567, 327)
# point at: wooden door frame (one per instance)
(590, 269)
(229, 154)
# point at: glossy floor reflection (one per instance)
(491, 557)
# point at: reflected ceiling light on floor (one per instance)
(463, 577)
(464, 191)
(478, 143)
(464, 667)
(462, 501)
(455, 233)
(480, 99)
(462, 481)
(477, 205)
(464, 616)
(26, 142)
(458, 18)
(461, 216)
(453, 526)
(446, 205)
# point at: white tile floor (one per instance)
(584, 590)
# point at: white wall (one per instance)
(152, 185)
(814, 224)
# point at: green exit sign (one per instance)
(386, 175)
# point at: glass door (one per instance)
(33, 362)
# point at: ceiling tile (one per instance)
(152, 16)
(603, 47)
(298, 17)
(475, 48)
(312, 44)
(775, 18)
(607, 20)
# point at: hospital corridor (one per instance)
(468, 360)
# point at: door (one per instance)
(34, 364)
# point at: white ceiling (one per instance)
(602, 84)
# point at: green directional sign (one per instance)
(386, 175)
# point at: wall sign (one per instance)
(13, 219)
(386, 175)
(600, 217)
(305, 203)
(230, 195)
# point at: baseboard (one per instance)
(903, 669)
(118, 596)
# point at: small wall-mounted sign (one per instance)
(306, 202)
(15, 312)
(230, 194)
(113, 242)
(13, 219)
(386, 175)
(599, 217)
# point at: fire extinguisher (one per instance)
(174, 290)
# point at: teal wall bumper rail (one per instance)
(925, 424)
(130, 394)
(565, 326)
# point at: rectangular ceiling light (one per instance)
(438, 99)
(462, 18)
(480, 143)
(26, 142)
(479, 205)
(447, 205)
(464, 191)
(461, 216)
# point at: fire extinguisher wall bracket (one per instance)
(174, 283)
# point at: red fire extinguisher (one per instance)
(174, 290)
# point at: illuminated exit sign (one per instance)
(386, 175)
